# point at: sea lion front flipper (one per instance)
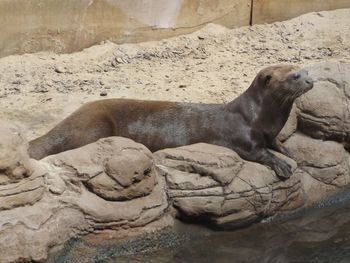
(261, 155)
(282, 168)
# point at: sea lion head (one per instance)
(283, 82)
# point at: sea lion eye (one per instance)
(267, 79)
(296, 76)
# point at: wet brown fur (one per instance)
(247, 125)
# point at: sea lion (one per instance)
(247, 125)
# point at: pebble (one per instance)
(103, 93)
(114, 64)
(119, 60)
(59, 69)
(16, 82)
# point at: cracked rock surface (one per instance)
(115, 169)
(213, 184)
(109, 188)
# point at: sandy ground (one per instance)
(214, 64)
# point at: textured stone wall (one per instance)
(266, 11)
(66, 26)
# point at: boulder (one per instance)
(325, 163)
(324, 111)
(14, 160)
(115, 169)
(109, 188)
(212, 184)
(15, 166)
(290, 127)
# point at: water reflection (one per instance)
(318, 235)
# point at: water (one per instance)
(321, 234)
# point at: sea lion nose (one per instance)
(309, 81)
(304, 75)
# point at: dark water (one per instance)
(321, 234)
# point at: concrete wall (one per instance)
(66, 26)
(266, 11)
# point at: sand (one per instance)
(214, 64)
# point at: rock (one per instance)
(60, 69)
(114, 63)
(21, 194)
(326, 161)
(27, 235)
(324, 111)
(213, 184)
(14, 160)
(131, 167)
(109, 188)
(119, 60)
(290, 127)
(312, 152)
(316, 190)
(124, 171)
